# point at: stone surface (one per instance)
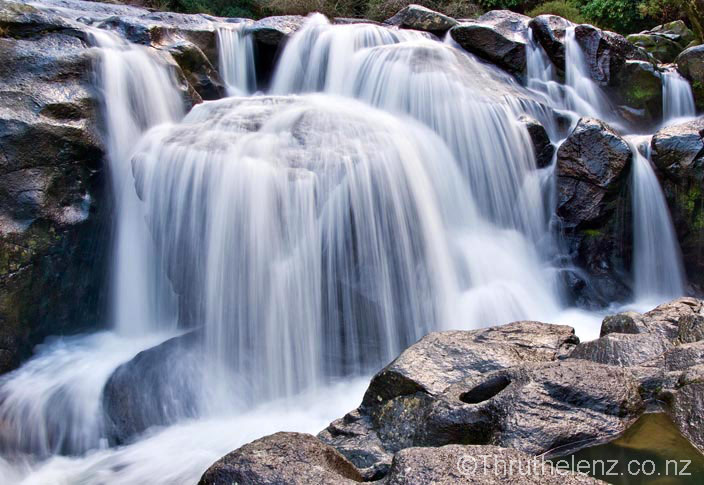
(197, 69)
(499, 36)
(664, 42)
(622, 350)
(592, 173)
(53, 204)
(478, 465)
(275, 30)
(282, 459)
(639, 87)
(549, 31)
(678, 152)
(690, 63)
(543, 148)
(158, 387)
(418, 17)
(686, 405)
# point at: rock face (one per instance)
(53, 197)
(543, 148)
(499, 36)
(690, 63)
(592, 168)
(158, 387)
(418, 17)
(678, 152)
(639, 86)
(664, 42)
(549, 31)
(282, 459)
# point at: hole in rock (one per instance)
(486, 390)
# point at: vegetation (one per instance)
(625, 16)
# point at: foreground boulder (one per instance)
(282, 459)
(499, 36)
(53, 188)
(418, 17)
(592, 173)
(690, 63)
(678, 152)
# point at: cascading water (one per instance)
(657, 264)
(236, 58)
(677, 98)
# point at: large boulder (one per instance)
(53, 189)
(418, 17)
(664, 42)
(499, 36)
(639, 87)
(685, 405)
(479, 465)
(549, 31)
(690, 63)
(623, 350)
(158, 387)
(678, 152)
(282, 459)
(592, 168)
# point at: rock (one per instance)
(197, 69)
(479, 465)
(273, 31)
(53, 190)
(685, 405)
(684, 356)
(691, 328)
(678, 152)
(624, 350)
(499, 36)
(442, 358)
(690, 63)
(676, 31)
(158, 387)
(664, 320)
(660, 47)
(418, 17)
(592, 168)
(549, 31)
(282, 459)
(543, 148)
(639, 87)
(626, 322)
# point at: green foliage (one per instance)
(618, 15)
(567, 9)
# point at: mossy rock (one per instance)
(660, 47)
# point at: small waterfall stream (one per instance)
(677, 98)
(384, 188)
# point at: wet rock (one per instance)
(685, 405)
(543, 148)
(665, 41)
(274, 30)
(678, 152)
(53, 191)
(690, 63)
(549, 31)
(158, 387)
(499, 36)
(418, 17)
(639, 87)
(197, 69)
(622, 350)
(442, 358)
(282, 459)
(479, 465)
(592, 168)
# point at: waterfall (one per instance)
(236, 58)
(53, 403)
(657, 264)
(677, 97)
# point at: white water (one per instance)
(314, 237)
(236, 59)
(677, 98)
(657, 264)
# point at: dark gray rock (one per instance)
(690, 63)
(158, 387)
(622, 349)
(678, 152)
(418, 17)
(282, 459)
(479, 465)
(684, 356)
(53, 191)
(685, 405)
(499, 36)
(639, 88)
(592, 174)
(543, 148)
(197, 69)
(626, 322)
(549, 31)
(275, 30)
(691, 328)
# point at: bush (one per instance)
(563, 8)
(622, 16)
